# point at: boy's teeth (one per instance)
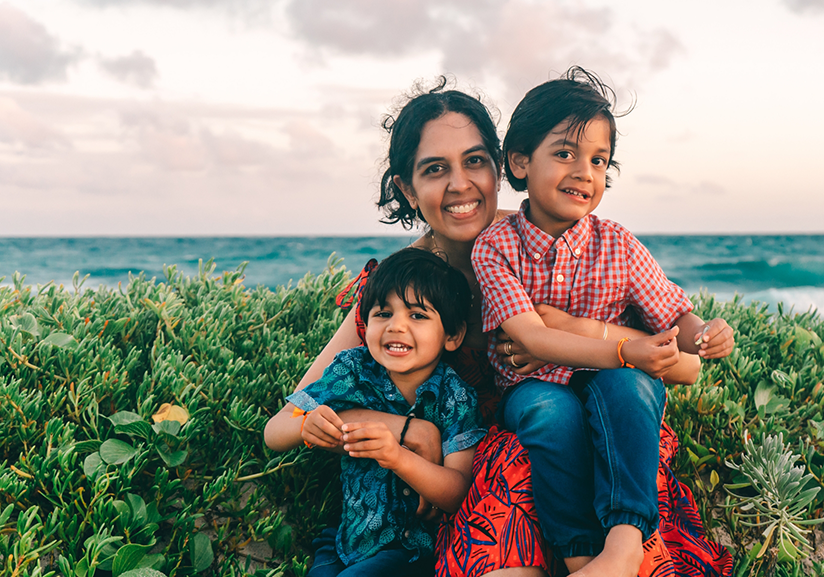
(575, 193)
(462, 208)
(397, 348)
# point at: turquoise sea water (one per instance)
(789, 269)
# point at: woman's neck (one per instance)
(456, 253)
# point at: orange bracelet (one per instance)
(624, 364)
(296, 412)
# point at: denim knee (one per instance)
(535, 408)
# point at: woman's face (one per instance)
(454, 180)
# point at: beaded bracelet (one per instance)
(624, 364)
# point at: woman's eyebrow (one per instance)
(428, 159)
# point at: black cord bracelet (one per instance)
(406, 427)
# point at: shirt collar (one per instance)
(538, 242)
(378, 376)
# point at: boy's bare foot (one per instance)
(622, 556)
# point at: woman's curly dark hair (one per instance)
(405, 129)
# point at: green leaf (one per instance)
(200, 550)
(91, 465)
(172, 459)
(61, 341)
(124, 418)
(140, 429)
(26, 323)
(128, 557)
(81, 568)
(763, 394)
(123, 510)
(138, 507)
(116, 452)
(154, 561)
(6, 514)
(142, 572)
(87, 446)
(169, 427)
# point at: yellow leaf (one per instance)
(714, 479)
(169, 412)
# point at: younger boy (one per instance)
(592, 437)
(415, 307)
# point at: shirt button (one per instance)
(407, 533)
(577, 251)
(537, 256)
(559, 278)
(406, 492)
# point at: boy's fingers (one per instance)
(330, 415)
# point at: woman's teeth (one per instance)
(463, 208)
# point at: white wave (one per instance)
(800, 299)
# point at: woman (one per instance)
(444, 170)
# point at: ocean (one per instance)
(765, 268)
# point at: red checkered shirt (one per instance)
(596, 269)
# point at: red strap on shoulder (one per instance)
(354, 289)
(352, 293)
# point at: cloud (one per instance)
(804, 6)
(29, 54)
(17, 126)
(136, 69)
(517, 41)
(654, 180)
(176, 143)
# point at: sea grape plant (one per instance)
(133, 417)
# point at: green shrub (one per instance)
(92, 481)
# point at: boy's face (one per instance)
(407, 341)
(566, 175)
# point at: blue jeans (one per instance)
(594, 452)
(393, 561)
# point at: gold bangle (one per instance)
(624, 364)
(606, 331)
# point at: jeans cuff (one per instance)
(643, 524)
(578, 550)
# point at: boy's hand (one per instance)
(322, 428)
(654, 354)
(372, 440)
(716, 340)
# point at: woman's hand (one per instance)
(514, 355)
(522, 363)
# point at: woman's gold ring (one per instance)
(508, 348)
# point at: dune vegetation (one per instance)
(132, 421)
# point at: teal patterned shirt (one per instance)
(378, 506)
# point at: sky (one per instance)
(262, 117)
